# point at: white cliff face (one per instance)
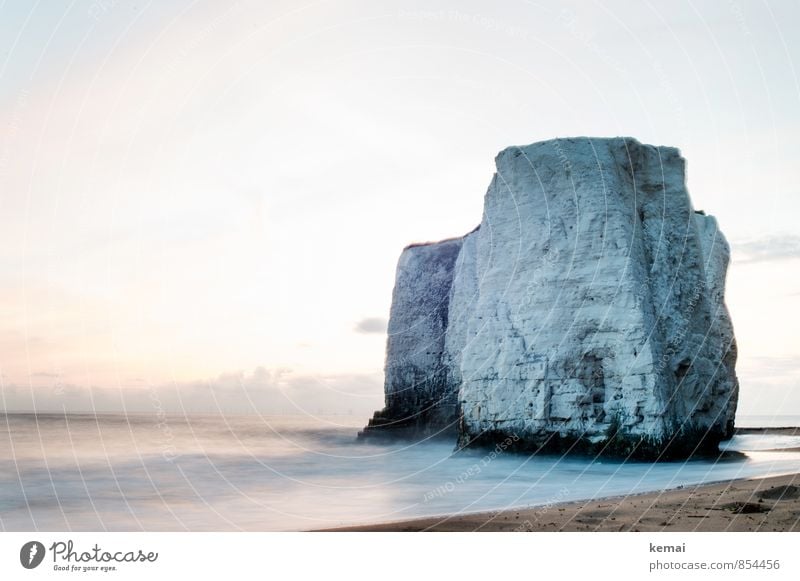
(419, 396)
(590, 301)
(461, 325)
(721, 397)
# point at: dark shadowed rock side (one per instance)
(585, 314)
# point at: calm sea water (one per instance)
(139, 472)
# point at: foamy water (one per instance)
(139, 472)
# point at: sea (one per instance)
(140, 472)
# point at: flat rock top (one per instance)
(586, 142)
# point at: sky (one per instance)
(202, 203)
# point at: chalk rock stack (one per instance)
(585, 313)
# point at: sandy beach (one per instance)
(768, 504)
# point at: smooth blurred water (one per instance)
(142, 472)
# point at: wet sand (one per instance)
(768, 504)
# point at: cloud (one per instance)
(46, 375)
(771, 368)
(767, 248)
(264, 391)
(372, 325)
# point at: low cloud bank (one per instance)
(263, 391)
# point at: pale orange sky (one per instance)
(191, 194)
